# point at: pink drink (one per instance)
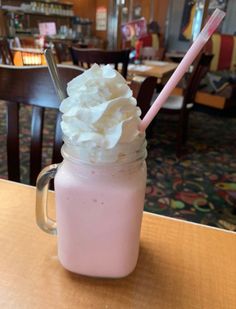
(99, 214)
(100, 185)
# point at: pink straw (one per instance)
(189, 57)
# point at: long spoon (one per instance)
(52, 67)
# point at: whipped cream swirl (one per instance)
(100, 116)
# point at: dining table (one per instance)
(162, 70)
(175, 56)
(181, 264)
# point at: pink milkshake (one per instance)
(100, 185)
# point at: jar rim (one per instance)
(124, 153)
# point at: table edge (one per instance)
(200, 225)
(191, 223)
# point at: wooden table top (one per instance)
(158, 69)
(175, 54)
(181, 264)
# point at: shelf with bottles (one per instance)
(19, 12)
(48, 8)
(28, 24)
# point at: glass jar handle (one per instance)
(44, 222)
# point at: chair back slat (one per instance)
(13, 152)
(62, 51)
(56, 155)
(90, 56)
(143, 89)
(36, 143)
(31, 86)
(200, 69)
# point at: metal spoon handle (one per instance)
(54, 74)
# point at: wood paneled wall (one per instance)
(87, 9)
(102, 34)
(160, 12)
(160, 8)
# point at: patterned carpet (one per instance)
(200, 187)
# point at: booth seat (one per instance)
(223, 47)
(223, 64)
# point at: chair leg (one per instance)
(185, 127)
(179, 140)
(179, 149)
(181, 132)
(149, 131)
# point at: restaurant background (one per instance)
(92, 19)
(168, 14)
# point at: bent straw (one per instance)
(189, 57)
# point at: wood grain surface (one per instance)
(159, 71)
(181, 265)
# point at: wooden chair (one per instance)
(31, 86)
(143, 89)
(62, 50)
(84, 57)
(148, 53)
(151, 53)
(5, 52)
(181, 105)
